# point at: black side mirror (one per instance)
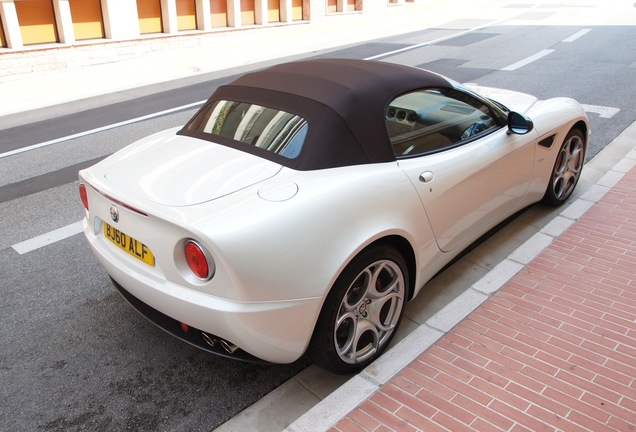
(519, 124)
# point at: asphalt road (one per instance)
(75, 356)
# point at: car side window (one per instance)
(433, 120)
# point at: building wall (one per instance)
(37, 22)
(39, 36)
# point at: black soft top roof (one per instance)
(343, 100)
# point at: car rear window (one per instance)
(271, 129)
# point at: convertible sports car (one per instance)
(303, 205)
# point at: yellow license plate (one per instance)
(129, 244)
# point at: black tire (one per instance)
(362, 311)
(567, 169)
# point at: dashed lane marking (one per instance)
(99, 129)
(576, 35)
(528, 60)
(48, 238)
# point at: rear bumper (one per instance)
(193, 336)
(276, 331)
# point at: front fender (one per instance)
(553, 119)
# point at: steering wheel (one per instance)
(472, 130)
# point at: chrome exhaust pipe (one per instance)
(213, 342)
(208, 339)
(229, 347)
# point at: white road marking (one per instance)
(602, 111)
(442, 39)
(100, 129)
(48, 238)
(528, 60)
(577, 35)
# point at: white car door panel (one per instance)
(468, 189)
(468, 171)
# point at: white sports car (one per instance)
(303, 205)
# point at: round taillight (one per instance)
(197, 260)
(83, 195)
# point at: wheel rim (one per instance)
(568, 168)
(369, 312)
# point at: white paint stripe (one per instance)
(100, 129)
(528, 60)
(48, 238)
(442, 39)
(577, 35)
(602, 111)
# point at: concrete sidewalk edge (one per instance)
(359, 388)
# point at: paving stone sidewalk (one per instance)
(553, 350)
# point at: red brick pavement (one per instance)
(552, 350)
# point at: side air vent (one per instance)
(547, 142)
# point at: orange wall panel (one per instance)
(218, 13)
(87, 19)
(273, 10)
(3, 41)
(37, 21)
(149, 12)
(186, 15)
(297, 10)
(248, 16)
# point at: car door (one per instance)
(469, 173)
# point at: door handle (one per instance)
(427, 177)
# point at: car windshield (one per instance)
(270, 129)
